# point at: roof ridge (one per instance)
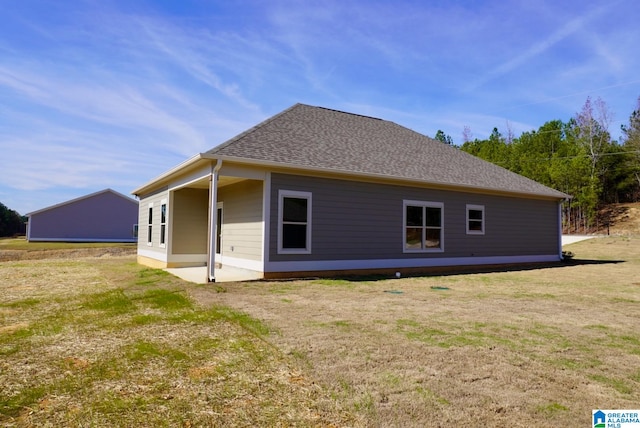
(352, 114)
(276, 116)
(253, 129)
(80, 198)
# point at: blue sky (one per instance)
(112, 93)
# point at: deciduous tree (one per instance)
(591, 130)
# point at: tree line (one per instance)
(11, 223)
(578, 157)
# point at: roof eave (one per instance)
(264, 163)
(166, 176)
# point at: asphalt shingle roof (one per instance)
(318, 138)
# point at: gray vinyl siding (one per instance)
(190, 221)
(364, 221)
(242, 217)
(143, 222)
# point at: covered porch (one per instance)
(216, 225)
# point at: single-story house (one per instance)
(104, 216)
(315, 191)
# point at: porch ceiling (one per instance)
(222, 181)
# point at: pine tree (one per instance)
(631, 145)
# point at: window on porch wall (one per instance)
(163, 224)
(150, 226)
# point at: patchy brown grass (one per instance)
(101, 341)
(21, 249)
(525, 348)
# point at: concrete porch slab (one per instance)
(198, 274)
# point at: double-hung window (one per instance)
(163, 223)
(150, 226)
(423, 226)
(294, 222)
(475, 219)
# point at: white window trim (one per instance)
(423, 204)
(294, 194)
(166, 221)
(475, 208)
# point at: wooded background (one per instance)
(577, 157)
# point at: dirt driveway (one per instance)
(527, 348)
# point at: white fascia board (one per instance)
(167, 175)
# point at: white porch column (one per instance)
(213, 221)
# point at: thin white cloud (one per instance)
(179, 47)
(17, 83)
(47, 161)
(571, 27)
(118, 105)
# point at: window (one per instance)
(150, 226)
(423, 231)
(294, 222)
(163, 223)
(219, 223)
(475, 219)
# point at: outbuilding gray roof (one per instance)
(318, 138)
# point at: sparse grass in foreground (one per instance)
(23, 244)
(114, 344)
(540, 347)
(109, 343)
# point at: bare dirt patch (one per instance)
(620, 219)
(526, 348)
(65, 253)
